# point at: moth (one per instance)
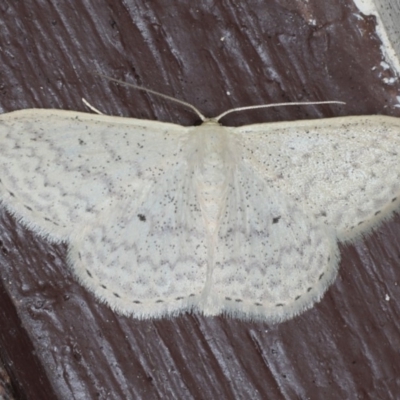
(161, 219)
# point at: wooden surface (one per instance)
(56, 340)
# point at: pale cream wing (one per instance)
(343, 171)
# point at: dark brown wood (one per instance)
(6, 390)
(56, 340)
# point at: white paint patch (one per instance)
(390, 81)
(387, 14)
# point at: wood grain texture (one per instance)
(56, 340)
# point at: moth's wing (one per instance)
(148, 260)
(61, 168)
(272, 260)
(344, 171)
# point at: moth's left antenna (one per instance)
(94, 109)
(184, 103)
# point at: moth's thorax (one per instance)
(212, 166)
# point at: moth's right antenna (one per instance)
(299, 103)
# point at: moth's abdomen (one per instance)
(213, 172)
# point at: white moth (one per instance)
(162, 219)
